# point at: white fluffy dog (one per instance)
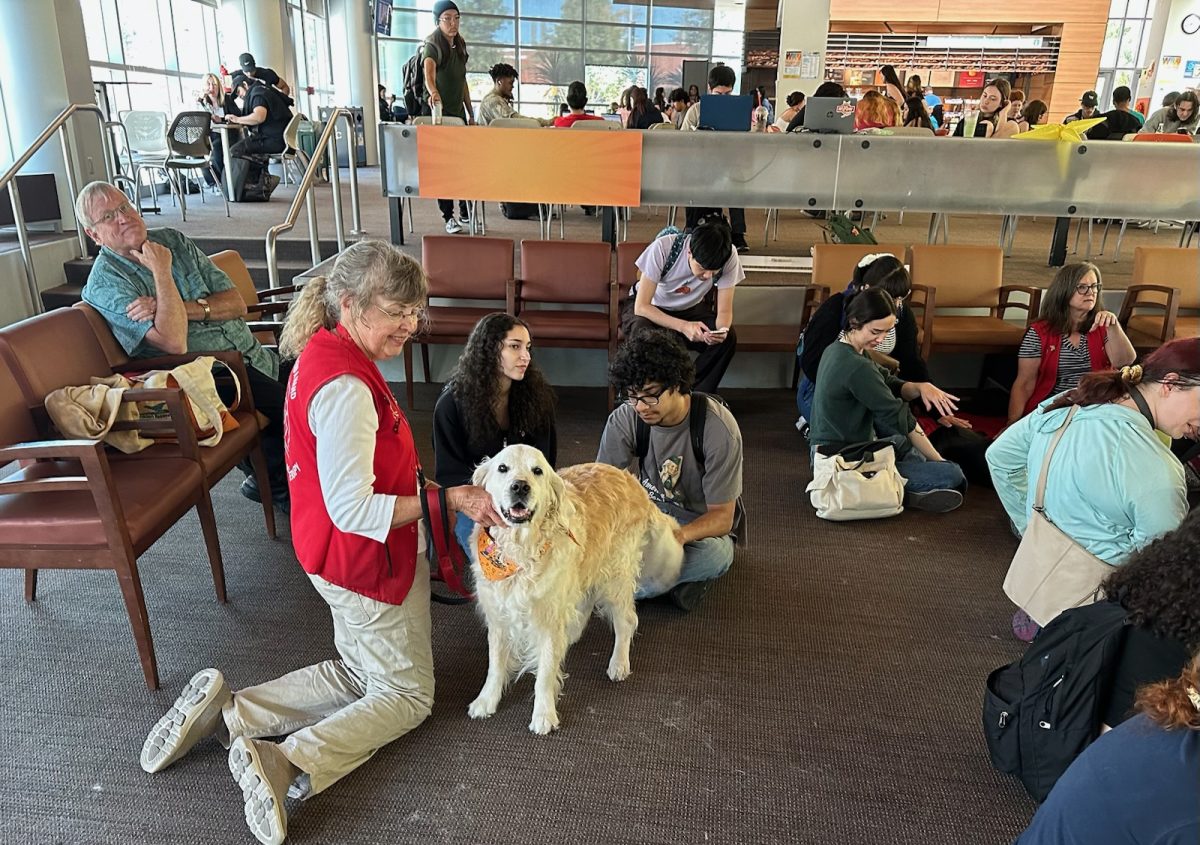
(572, 543)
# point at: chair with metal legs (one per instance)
(191, 148)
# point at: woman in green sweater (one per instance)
(863, 402)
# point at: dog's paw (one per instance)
(543, 723)
(482, 708)
(618, 671)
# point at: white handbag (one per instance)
(1051, 572)
(859, 482)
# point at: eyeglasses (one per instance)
(1084, 290)
(451, 18)
(647, 399)
(414, 314)
(122, 210)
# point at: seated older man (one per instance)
(162, 296)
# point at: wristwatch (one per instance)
(203, 303)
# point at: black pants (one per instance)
(713, 361)
(245, 169)
(447, 209)
(269, 395)
(737, 218)
(217, 157)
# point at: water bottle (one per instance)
(437, 113)
(760, 118)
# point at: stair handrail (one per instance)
(327, 141)
(59, 125)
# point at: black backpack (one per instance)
(1041, 711)
(412, 79)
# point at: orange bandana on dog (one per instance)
(495, 566)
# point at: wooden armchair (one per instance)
(1165, 280)
(263, 310)
(971, 277)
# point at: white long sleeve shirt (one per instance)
(342, 417)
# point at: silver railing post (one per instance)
(352, 158)
(314, 240)
(335, 183)
(35, 294)
(72, 187)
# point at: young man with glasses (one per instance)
(697, 483)
(161, 295)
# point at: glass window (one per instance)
(410, 25)
(678, 16)
(1138, 9)
(551, 67)
(616, 59)
(605, 11)
(93, 28)
(686, 41)
(551, 34)
(481, 30)
(1130, 41)
(730, 17)
(1112, 40)
(558, 9)
(605, 83)
(141, 33)
(728, 43)
(666, 71)
(621, 38)
(482, 58)
(1116, 9)
(190, 37)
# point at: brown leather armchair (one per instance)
(462, 269)
(71, 507)
(263, 307)
(1166, 280)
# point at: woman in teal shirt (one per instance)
(1113, 484)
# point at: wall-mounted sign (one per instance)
(969, 79)
(793, 61)
(383, 17)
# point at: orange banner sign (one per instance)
(574, 167)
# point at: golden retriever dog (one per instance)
(572, 543)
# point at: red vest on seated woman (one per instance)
(1048, 368)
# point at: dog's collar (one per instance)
(497, 567)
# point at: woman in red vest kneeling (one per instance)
(352, 473)
(1073, 337)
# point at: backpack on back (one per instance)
(1041, 711)
(681, 240)
(412, 79)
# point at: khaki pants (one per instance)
(336, 714)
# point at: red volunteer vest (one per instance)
(1048, 368)
(381, 571)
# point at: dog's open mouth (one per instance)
(517, 514)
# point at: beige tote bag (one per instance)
(859, 482)
(1051, 572)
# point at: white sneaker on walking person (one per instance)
(453, 227)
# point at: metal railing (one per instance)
(304, 195)
(59, 125)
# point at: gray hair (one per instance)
(91, 191)
(365, 270)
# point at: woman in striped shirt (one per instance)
(1072, 338)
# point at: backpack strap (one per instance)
(676, 250)
(642, 439)
(697, 417)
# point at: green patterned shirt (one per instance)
(115, 282)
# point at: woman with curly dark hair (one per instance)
(1160, 588)
(495, 397)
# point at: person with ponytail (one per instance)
(686, 282)
(1139, 783)
(1114, 484)
(857, 401)
(354, 477)
(1072, 337)
(880, 270)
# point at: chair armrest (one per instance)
(269, 308)
(283, 290)
(814, 295)
(924, 297)
(265, 326)
(179, 422)
(1133, 299)
(1031, 308)
(90, 454)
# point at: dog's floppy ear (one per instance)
(479, 477)
(562, 509)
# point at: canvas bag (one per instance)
(859, 482)
(1051, 572)
(89, 412)
(209, 416)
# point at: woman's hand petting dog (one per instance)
(476, 503)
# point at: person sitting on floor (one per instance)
(495, 397)
(898, 350)
(857, 401)
(654, 373)
(161, 295)
(1073, 336)
(686, 284)
(353, 469)
(1159, 588)
(1137, 783)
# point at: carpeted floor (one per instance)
(827, 691)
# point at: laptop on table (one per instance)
(726, 112)
(833, 115)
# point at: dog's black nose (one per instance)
(521, 488)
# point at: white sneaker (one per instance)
(453, 227)
(194, 715)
